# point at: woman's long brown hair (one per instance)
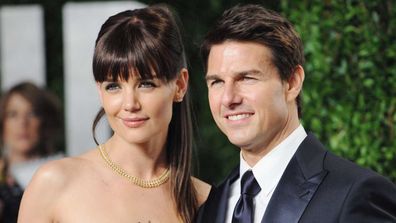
(145, 42)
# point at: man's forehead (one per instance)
(238, 58)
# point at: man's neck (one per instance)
(252, 156)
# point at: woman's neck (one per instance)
(15, 157)
(146, 160)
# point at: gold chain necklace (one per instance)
(135, 180)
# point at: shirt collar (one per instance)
(269, 169)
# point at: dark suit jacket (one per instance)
(316, 187)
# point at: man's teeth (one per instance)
(238, 117)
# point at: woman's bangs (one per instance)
(118, 66)
(148, 60)
(141, 61)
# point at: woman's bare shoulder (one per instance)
(41, 196)
(202, 189)
(53, 173)
(60, 172)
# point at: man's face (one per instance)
(248, 100)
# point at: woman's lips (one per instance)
(134, 122)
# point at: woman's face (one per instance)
(139, 111)
(21, 125)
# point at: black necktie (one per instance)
(244, 211)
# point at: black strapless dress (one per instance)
(10, 199)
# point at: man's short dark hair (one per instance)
(254, 23)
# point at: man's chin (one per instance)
(241, 143)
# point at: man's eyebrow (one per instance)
(210, 77)
(249, 72)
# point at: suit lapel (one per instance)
(215, 207)
(298, 184)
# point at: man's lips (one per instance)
(238, 116)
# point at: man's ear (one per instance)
(181, 85)
(295, 83)
(98, 85)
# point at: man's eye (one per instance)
(147, 84)
(112, 86)
(215, 82)
(246, 78)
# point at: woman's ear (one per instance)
(295, 83)
(98, 87)
(181, 85)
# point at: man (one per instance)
(254, 74)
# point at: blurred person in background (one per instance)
(30, 125)
(142, 173)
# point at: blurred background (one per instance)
(349, 97)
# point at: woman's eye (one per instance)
(11, 114)
(32, 114)
(147, 84)
(112, 86)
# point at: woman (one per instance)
(29, 122)
(142, 173)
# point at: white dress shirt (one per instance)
(267, 171)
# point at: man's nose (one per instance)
(231, 95)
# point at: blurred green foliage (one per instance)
(350, 87)
(349, 92)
